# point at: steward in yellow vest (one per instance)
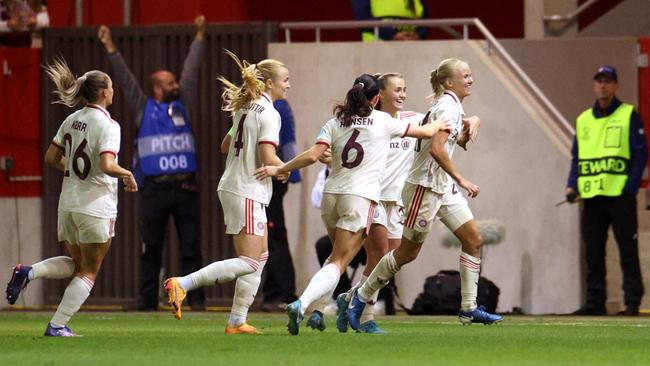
(609, 155)
(391, 10)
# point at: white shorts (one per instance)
(78, 228)
(389, 215)
(346, 211)
(423, 206)
(241, 212)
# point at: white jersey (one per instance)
(257, 123)
(359, 153)
(84, 136)
(425, 171)
(399, 160)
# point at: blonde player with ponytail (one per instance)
(85, 149)
(432, 191)
(254, 139)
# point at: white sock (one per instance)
(369, 310)
(74, 296)
(469, 273)
(380, 276)
(323, 282)
(245, 290)
(320, 303)
(219, 272)
(54, 268)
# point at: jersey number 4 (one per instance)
(425, 120)
(239, 138)
(352, 144)
(79, 154)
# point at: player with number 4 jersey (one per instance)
(358, 137)
(250, 144)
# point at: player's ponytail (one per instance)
(357, 100)
(438, 76)
(72, 90)
(253, 77)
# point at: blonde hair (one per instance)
(72, 90)
(384, 78)
(444, 71)
(254, 75)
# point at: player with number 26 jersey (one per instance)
(257, 123)
(85, 135)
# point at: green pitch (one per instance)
(121, 339)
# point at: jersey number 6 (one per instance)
(352, 144)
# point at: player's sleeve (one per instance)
(397, 127)
(109, 140)
(269, 129)
(325, 134)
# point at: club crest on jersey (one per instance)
(405, 144)
(422, 223)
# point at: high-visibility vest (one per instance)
(603, 152)
(393, 9)
(165, 140)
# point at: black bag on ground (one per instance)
(441, 295)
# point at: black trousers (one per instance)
(597, 215)
(280, 281)
(159, 200)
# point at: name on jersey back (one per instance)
(361, 121)
(78, 125)
(255, 108)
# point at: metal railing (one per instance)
(465, 23)
(569, 17)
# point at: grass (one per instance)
(120, 338)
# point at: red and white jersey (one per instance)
(399, 160)
(84, 136)
(425, 171)
(359, 153)
(257, 123)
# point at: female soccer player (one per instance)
(85, 149)
(431, 192)
(358, 136)
(254, 142)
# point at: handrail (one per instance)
(465, 22)
(570, 16)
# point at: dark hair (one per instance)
(357, 99)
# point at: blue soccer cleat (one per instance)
(355, 310)
(51, 331)
(370, 327)
(341, 312)
(478, 315)
(19, 280)
(295, 317)
(317, 321)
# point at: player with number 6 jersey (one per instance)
(85, 149)
(358, 137)
(251, 143)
